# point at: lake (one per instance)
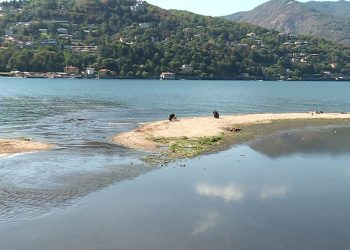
(283, 191)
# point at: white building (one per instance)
(140, 5)
(62, 30)
(186, 68)
(43, 31)
(90, 71)
(167, 76)
(49, 42)
(251, 34)
(144, 25)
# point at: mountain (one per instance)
(338, 9)
(328, 20)
(133, 39)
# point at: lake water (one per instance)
(284, 191)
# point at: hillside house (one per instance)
(144, 25)
(9, 38)
(251, 34)
(90, 71)
(48, 42)
(84, 48)
(23, 44)
(259, 43)
(140, 6)
(126, 40)
(186, 68)
(62, 31)
(23, 24)
(71, 70)
(42, 31)
(65, 36)
(167, 76)
(104, 73)
(76, 42)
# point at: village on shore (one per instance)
(71, 72)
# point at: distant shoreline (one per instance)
(60, 75)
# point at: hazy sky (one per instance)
(211, 7)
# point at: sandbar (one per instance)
(143, 137)
(16, 146)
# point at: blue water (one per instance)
(78, 116)
(237, 199)
(71, 112)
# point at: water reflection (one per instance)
(312, 140)
(247, 203)
(258, 202)
(236, 192)
(230, 192)
(208, 221)
(347, 171)
(276, 192)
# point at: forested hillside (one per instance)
(135, 39)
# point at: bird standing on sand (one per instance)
(216, 114)
(172, 117)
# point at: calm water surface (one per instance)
(244, 198)
(284, 191)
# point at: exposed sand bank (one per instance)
(15, 146)
(143, 138)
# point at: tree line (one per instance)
(214, 47)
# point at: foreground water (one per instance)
(286, 191)
(249, 197)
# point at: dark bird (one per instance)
(216, 114)
(172, 117)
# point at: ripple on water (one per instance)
(24, 109)
(23, 203)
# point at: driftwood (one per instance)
(233, 129)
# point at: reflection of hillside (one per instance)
(310, 140)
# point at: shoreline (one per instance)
(321, 79)
(189, 137)
(9, 147)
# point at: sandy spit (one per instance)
(16, 146)
(203, 127)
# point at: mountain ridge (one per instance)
(326, 20)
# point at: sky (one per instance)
(211, 7)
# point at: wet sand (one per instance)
(16, 146)
(143, 137)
